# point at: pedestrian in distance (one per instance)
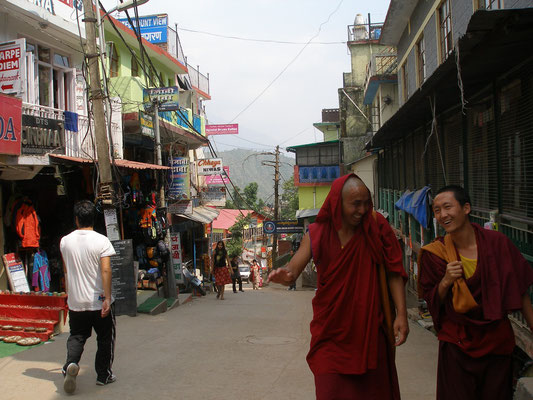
(236, 274)
(87, 267)
(221, 268)
(255, 272)
(471, 279)
(359, 264)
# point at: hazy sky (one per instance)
(240, 70)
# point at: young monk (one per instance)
(352, 349)
(471, 279)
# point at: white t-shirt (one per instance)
(82, 251)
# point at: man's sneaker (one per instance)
(69, 384)
(109, 380)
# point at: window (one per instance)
(489, 4)
(134, 67)
(329, 155)
(445, 30)
(405, 86)
(421, 61)
(114, 66)
(50, 80)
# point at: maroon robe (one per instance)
(502, 277)
(347, 313)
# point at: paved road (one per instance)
(250, 346)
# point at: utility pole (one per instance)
(105, 190)
(276, 207)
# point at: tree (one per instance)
(250, 194)
(236, 202)
(289, 200)
(235, 244)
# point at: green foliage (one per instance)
(234, 245)
(289, 200)
(246, 199)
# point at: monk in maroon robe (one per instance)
(471, 279)
(352, 348)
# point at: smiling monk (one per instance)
(352, 346)
(471, 279)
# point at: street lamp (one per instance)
(126, 6)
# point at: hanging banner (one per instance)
(222, 129)
(214, 196)
(179, 179)
(209, 166)
(176, 255)
(10, 125)
(42, 135)
(147, 124)
(219, 179)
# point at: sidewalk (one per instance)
(252, 345)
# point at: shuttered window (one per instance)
(420, 169)
(453, 148)
(409, 163)
(516, 144)
(482, 156)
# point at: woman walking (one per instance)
(255, 270)
(222, 269)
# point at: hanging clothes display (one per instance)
(41, 271)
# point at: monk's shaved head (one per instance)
(353, 183)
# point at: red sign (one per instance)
(218, 179)
(10, 125)
(224, 129)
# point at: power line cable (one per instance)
(289, 64)
(255, 40)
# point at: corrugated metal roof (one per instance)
(118, 162)
(203, 215)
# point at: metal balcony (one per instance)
(382, 68)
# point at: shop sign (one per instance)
(153, 28)
(42, 135)
(210, 166)
(279, 227)
(179, 179)
(219, 179)
(176, 255)
(147, 124)
(166, 97)
(213, 196)
(16, 273)
(10, 125)
(12, 55)
(180, 207)
(222, 129)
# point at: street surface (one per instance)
(251, 346)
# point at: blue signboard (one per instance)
(153, 28)
(179, 185)
(166, 97)
(286, 226)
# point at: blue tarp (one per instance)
(416, 204)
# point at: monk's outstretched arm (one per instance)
(289, 273)
(397, 290)
(527, 310)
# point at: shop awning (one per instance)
(118, 162)
(306, 213)
(203, 215)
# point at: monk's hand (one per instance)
(401, 329)
(454, 271)
(281, 275)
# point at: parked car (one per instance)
(244, 269)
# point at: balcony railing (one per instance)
(77, 144)
(174, 46)
(382, 64)
(198, 80)
(364, 32)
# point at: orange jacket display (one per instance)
(27, 225)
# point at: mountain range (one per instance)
(246, 166)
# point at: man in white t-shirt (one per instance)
(87, 265)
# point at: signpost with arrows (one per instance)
(12, 55)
